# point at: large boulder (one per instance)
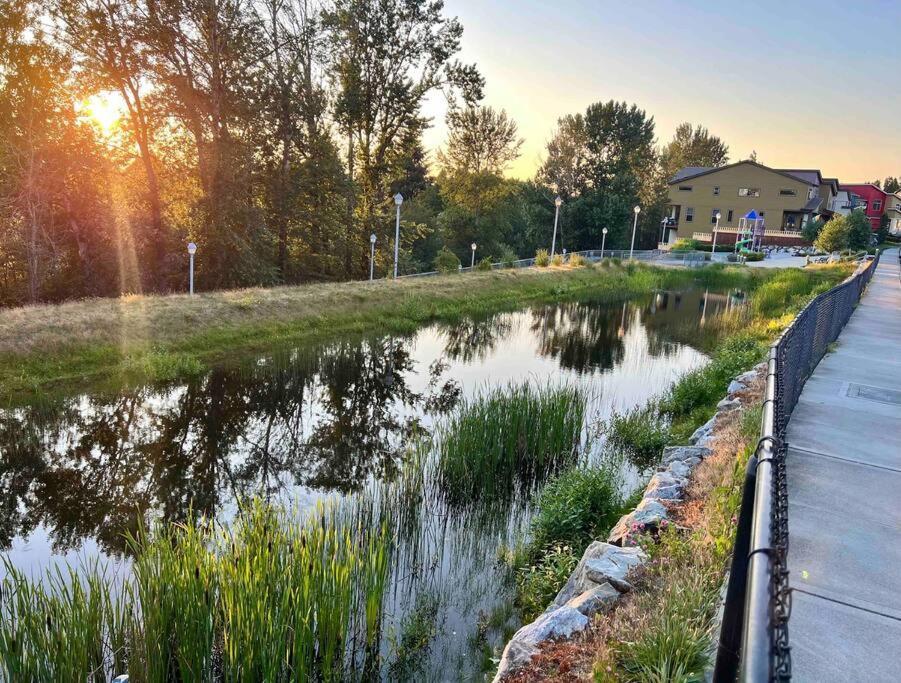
(677, 468)
(702, 434)
(561, 622)
(690, 455)
(594, 600)
(735, 386)
(601, 563)
(647, 515)
(728, 404)
(665, 486)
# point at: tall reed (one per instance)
(508, 439)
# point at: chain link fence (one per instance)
(754, 643)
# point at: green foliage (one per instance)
(542, 258)
(537, 584)
(860, 234)
(577, 261)
(754, 256)
(508, 438)
(812, 229)
(507, 256)
(834, 236)
(446, 261)
(576, 507)
(641, 433)
(484, 265)
(685, 244)
(557, 260)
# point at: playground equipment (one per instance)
(750, 233)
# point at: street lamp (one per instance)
(636, 210)
(663, 230)
(715, 230)
(603, 240)
(473, 263)
(398, 200)
(371, 255)
(192, 249)
(558, 202)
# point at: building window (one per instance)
(749, 192)
(788, 193)
(684, 188)
(877, 205)
(713, 216)
(716, 189)
(689, 214)
(729, 216)
(813, 192)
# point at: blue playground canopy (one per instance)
(752, 215)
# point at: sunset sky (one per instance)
(812, 85)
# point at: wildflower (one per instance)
(664, 523)
(634, 526)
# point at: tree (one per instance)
(480, 140)
(833, 236)
(860, 233)
(387, 56)
(891, 185)
(565, 169)
(693, 146)
(812, 229)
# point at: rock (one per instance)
(748, 377)
(735, 386)
(665, 486)
(601, 563)
(649, 512)
(690, 455)
(703, 432)
(593, 601)
(678, 469)
(561, 622)
(728, 404)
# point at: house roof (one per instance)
(849, 185)
(811, 176)
(696, 171)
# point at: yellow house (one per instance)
(785, 198)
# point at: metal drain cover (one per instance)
(877, 394)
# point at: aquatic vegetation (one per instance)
(266, 599)
(508, 439)
(639, 433)
(538, 584)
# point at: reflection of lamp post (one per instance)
(398, 200)
(557, 203)
(603, 239)
(473, 263)
(192, 248)
(371, 255)
(715, 230)
(636, 210)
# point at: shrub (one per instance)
(577, 261)
(685, 244)
(860, 233)
(754, 256)
(576, 507)
(557, 260)
(542, 258)
(539, 583)
(812, 230)
(446, 261)
(616, 261)
(605, 263)
(484, 264)
(640, 433)
(507, 256)
(834, 236)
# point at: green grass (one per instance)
(507, 440)
(138, 339)
(639, 433)
(267, 599)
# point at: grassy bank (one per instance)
(141, 338)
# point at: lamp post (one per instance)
(371, 255)
(603, 240)
(715, 230)
(398, 200)
(663, 230)
(636, 210)
(557, 203)
(192, 249)
(473, 262)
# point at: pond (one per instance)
(332, 420)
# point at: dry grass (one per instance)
(679, 585)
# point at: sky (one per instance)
(804, 84)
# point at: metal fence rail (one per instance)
(754, 645)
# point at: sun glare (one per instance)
(103, 109)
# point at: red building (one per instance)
(874, 198)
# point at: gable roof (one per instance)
(697, 171)
(848, 185)
(811, 176)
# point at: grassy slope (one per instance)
(157, 337)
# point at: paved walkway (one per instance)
(844, 483)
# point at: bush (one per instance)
(640, 433)
(616, 261)
(812, 230)
(685, 244)
(542, 258)
(754, 256)
(446, 261)
(834, 236)
(557, 260)
(538, 584)
(860, 233)
(577, 261)
(507, 256)
(484, 264)
(576, 507)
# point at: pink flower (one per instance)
(664, 523)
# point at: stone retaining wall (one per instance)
(601, 576)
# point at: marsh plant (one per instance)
(265, 599)
(508, 440)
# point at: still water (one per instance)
(329, 420)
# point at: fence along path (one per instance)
(843, 469)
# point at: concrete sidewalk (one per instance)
(844, 485)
